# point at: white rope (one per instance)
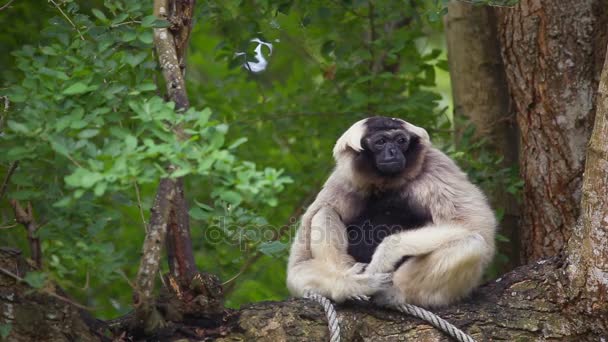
(330, 313)
(435, 321)
(413, 310)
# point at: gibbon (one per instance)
(396, 220)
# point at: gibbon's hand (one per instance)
(359, 285)
(385, 256)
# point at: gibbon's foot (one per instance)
(358, 284)
(389, 297)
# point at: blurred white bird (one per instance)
(261, 61)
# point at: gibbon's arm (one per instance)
(417, 242)
(330, 270)
(460, 213)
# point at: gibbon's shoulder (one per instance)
(439, 164)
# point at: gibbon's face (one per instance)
(389, 149)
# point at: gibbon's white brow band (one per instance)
(412, 310)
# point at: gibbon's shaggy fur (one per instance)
(422, 236)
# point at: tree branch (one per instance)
(7, 177)
(25, 216)
(170, 50)
(149, 264)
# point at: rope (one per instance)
(413, 310)
(330, 313)
(435, 321)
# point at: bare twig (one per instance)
(7, 178)
(140, 206)
(125, 23)
(9, 226)
(67, 18)
(25, 216)
(229, 284)
(7, 104)
(6, 5)
(46, 291)
(486, 4)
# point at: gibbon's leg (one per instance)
(441, 277)
(416, 242)
(332, 272)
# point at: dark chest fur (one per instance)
(383, 214)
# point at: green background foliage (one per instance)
(87, 122)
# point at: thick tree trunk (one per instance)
(588, 247)
(552, 51)
(480, 93)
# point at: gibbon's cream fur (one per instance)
(444, 258)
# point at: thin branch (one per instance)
(229, 284)
(9, 226)
(125, 23)
(140, 206)
(67, 18)
(476, 3)
(6, 5)
(46, 291)
(7, 178)
(7, 104)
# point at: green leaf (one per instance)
(35, 279)
(100, 188)
(130, 142)
(17, 127)
(120, 18)
(146, 37)
(57, 144)
(99, 14)
(83, 178)
(159, 23)
(147, 86)
(237, 143)
(198, 214)
(76, 88)
(272, 248)
(129, 36)
(147, 21)
(231, 197)
(88, 133)
(502, 238)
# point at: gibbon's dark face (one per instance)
(388, 146)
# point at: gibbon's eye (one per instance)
(401, 141)
(380, 142)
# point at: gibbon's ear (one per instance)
(419, 131)
(350, 139)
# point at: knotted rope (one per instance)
(413, 310)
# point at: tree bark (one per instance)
(526, 305)
(171, 47)
(529, 304)
(552, 52)
(588, 247)
(480, 93)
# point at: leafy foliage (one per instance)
(92, 134)
(87, 129)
